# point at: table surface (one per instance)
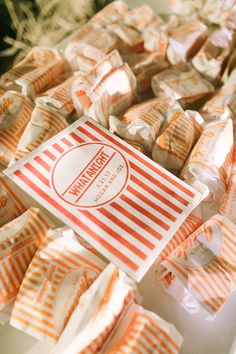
(201, 336)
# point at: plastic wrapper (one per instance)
(183, 83)
(35, 71)
(186, 41)
(44, 123)
(107, 89)
(2, 90)
(11, 202)
(82, 56)
(140, 17)
(204, 264)
(19, 240)
(129, 36)
(190, 224)
(172, 147)
(211, 58)
(229, 68)
(144, 66)
(136, 145)
(142, 331)
(97, 312)
(218, 12)
(15, 112)
(111, 13)
(156, 38)
(209, 162)
(141, 123)
(60, 272)
(228, 207)
(222, 105)
(59, 97)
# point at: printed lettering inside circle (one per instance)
(99, 173)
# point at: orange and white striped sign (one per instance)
(60, 272)
(141, 331)
(97, 312)
(19, 240)
(117, 199)
(205, 263)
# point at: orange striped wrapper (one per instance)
(191, 223)
(141, 123)
(82, 56)
(156, 38)
(60, 272)
(59, 97)
(205, 263)
(140, 17)
(131, 39)
(141, 331)
(35, 71)
(108, 89)
(172, 147)
(11, 200)
(213, 55)
(15, 112)
(186, 41)
(228, 207)
(2, 91)
(45, 122)
(19, 240)
(144, 66)
(210, 162)
(97, 312)
(136, 145)
(222, 105)
(183, 83)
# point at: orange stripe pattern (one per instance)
(36, 70)
(140, 331)
(16, 110)
(172, 147)
(19, 240)
(205, 263)
(45, 122)
(60, 272)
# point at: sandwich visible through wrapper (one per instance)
(205, 266)
(60, 272)
(97, 312)
(19, 240)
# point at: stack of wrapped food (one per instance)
(168, 88)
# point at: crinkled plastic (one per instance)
(60, 272)
(19, 240)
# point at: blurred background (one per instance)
(26, 23)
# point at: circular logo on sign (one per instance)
(201, 248)
(90, 175)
